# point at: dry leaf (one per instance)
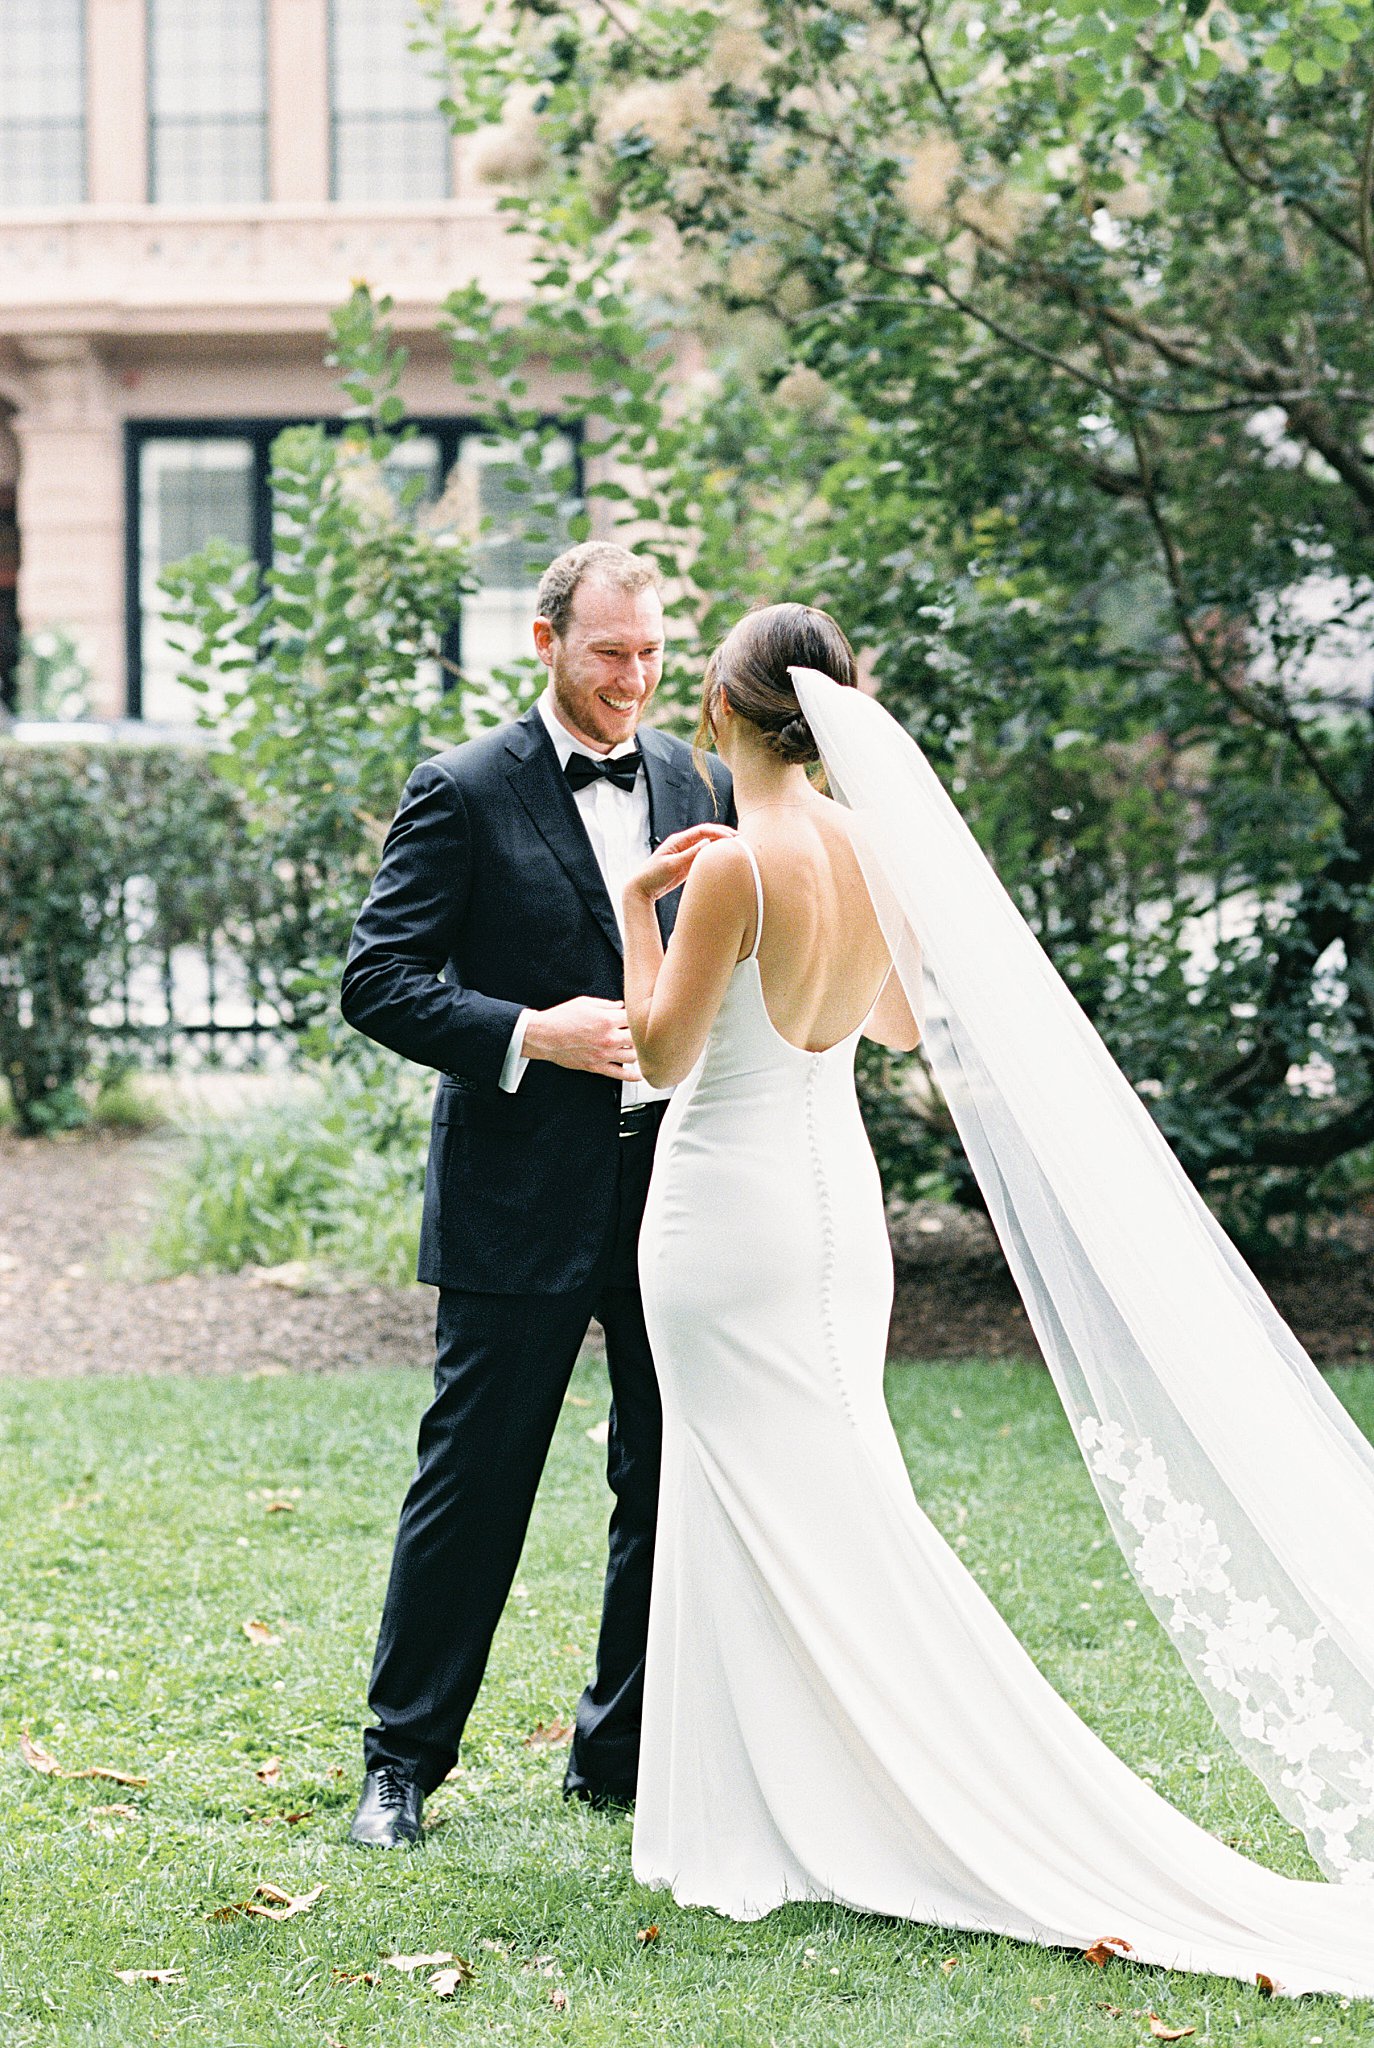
(1113, 2012)
(283, 1908)
(173, 1976)
(124, 1812)
(270, 1771)
(335, 1771)
(1163, 2032)
(441, 1955)
(259, 1632)
(1269, 1987)
(37, 1758)
(45, 1763)
(550, 1736)
(1107, 1949)
(540, 1966)
(558, 1998)
(445, 1982)
(950, 1963)
(494, 1948)
(648, 1933)
(354, 1976)
(280, 1507)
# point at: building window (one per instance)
(389, 139)
(194, 481)
(207, 102)
(42, 103)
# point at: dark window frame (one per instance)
(186, 121)
(448, 429)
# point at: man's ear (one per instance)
(544, 638)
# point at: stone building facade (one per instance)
(187, 188)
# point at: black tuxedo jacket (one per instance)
(488, 880)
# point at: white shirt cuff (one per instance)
(515, 1063)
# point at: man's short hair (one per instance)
(599, 559)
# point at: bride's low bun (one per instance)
(795, 743)
(750, 670)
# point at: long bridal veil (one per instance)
(1240, 1491)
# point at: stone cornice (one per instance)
(275, 269)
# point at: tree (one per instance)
(1037, 342)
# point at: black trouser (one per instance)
(501, 1370)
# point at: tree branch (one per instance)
(1270, 184)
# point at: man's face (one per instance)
(606, 665)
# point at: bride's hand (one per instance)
(667, 868)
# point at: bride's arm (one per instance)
(893, 1022)
(671, 1000)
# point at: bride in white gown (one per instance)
(833, 1708)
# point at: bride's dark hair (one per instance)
(749, 669)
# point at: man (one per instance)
(503, 872)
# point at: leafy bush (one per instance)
(334, 1180)
(326, 673)
(58, 874)
(110, 859)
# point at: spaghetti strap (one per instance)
(753, 952)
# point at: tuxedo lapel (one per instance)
(539, 782)
(672, 780)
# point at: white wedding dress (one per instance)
(833, 1708)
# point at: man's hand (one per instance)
(590, 1034)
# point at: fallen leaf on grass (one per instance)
(173, 1976)
(445, 1982)
(37, 1758)
(494, 1948)
(284, 1908)
(45, 1763)
(540, 1966)
(558, 1998)
(1162, 2031)
(354, 1976)
(284, 1820)
(1107, 1950)
(950, 1963)
(279, 1507)
(1113, 2012)
(408, 1963)
(259, 1632)
(1268, 1986)
(548, 1735)
(648, 1933)
(123, 1812)
(270, 1771)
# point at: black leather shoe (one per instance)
(601, 1798)
(388, 1815)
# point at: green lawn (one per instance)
(137, 1543)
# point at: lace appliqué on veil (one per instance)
(1244, 1650)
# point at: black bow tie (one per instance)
(581, 769)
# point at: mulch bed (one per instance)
(67, 1205)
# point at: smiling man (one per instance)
(489, 947)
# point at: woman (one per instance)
(833, 1707)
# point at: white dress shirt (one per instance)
(617, 824)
